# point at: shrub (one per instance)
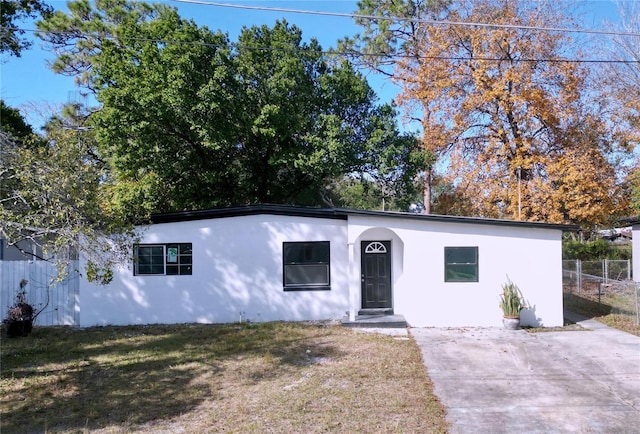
(511, 299)
(21, 315)
(593, 250)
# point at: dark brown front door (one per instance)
(376, 274)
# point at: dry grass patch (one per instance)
(272, 377)
(620, 322)
(567, 327)
(603, 311)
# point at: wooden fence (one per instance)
(57, 297)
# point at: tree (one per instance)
(619, 85)
(392, 163)
(449, 198)
(11, 121)
(634, 188)
(510, 114)
(51, 196)
(11, 39)
(387, 178)
(623, 79)
(14, 132)
(304, 121)
(190, 120)
(384, 42)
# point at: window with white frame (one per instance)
(306, 266)
(163, 259)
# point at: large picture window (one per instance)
(306, 266)
(163, 259)
(460, 264)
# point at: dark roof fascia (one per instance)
(631, 220)
(461, 219)
(247, 210)
(342, 214)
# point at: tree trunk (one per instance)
(427, 191)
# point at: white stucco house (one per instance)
(267, 262)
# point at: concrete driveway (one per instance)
(493, 380)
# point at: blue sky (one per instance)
(27, 81)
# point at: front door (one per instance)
(376, 274)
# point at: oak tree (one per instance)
(508, 113)
(188, 119)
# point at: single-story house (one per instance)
(616, 234)
(269, 262)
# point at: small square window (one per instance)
(179, 259)
(460, 264)
(149, 259)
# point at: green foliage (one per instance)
(99, 274)
(350, 192)
(11, 122)
(11, 39)
(51, 195)
(360, 192)
(511, 299)
(620, 251)
(395, 38)
(190, 120)
(593, 250)
(389, 47)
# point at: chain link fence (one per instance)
(601, 287)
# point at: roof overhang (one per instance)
(631, 221)
(342, 214)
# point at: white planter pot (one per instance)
(511, 322)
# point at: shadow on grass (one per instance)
(67, 379)
(584, 306)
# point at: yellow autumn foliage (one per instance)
(509, 118)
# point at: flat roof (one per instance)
(341, 214)
(635, 220)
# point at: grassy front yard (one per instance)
(272, 377)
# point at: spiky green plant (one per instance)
(511, 299)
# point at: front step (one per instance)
(376, 321)
(376, 311)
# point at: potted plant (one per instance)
(511, 303)
(20, 316)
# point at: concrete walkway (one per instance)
(493, 380)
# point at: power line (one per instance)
(346, 54)
(418, 20)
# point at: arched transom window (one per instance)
(375, 247)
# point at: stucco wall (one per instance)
(530, 257)
(237, 275)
